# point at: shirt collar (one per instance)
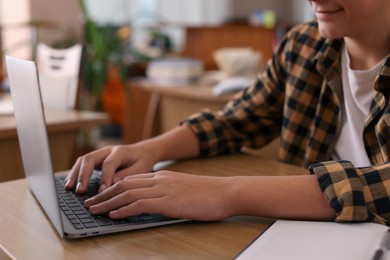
(382, 81)
(329, 55)
(327, 61)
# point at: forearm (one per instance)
(178, 143)
(291, 197)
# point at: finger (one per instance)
(121, 200)
(118, 188)
(115, 202)
(140, 176)
(88, 163)
(109, 167)
(137, 168)
(71, 178)
(150, 205)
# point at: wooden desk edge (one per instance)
(195, 91)
(76, 120)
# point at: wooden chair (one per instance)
(58, 75)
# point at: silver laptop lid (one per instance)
(32, 134)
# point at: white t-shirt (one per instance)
(358, 88)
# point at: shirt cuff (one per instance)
(343, 189)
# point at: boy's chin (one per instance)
(330, 32)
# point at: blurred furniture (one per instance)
(154, 108)
(26, 232)
(201, 42)
(58, 75)
(63, 127)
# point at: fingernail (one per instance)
(102, 187)
(67, 183)
(88, 202)
(78, 186)
(93, 209)
(113, 214)
(116, 179)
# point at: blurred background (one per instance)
(177, 13)
(144, 65)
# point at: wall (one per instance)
(16, 34)
(301, 11)
(195, 12)
(295, 11)
(241, 8)
(64, 12)
(67, 13)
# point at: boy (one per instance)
(325, 93)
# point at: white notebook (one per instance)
(319, 240)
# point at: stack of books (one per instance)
(174, 71)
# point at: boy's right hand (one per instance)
(115, 163)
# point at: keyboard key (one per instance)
(74, 205)
(83, 216)
(87, 220)
(102, 221)
(90, 225)
(145, 217)
(77, 208)
(68, 212)
(80, 212)
(78, 226)
(120, 221)
(70, 217)
(74, 221)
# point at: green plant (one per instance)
(102, 45)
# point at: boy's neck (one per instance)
(366, 52)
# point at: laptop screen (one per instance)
(32, 134)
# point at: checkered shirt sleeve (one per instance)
(356, 194)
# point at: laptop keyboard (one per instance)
(72, 205)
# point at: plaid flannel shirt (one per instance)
(298, 98)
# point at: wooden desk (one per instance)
(155, 108)
(63, 127)
(25, 231)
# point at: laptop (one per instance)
(64, 208)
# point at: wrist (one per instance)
(178, 143)
(231, 196)
(151, 149)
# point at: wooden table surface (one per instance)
(26, 233)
